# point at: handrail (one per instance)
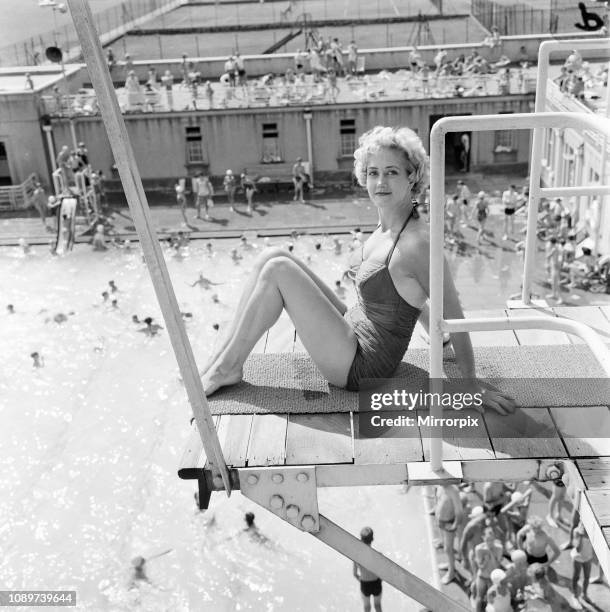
(479, 123)
(535, 191)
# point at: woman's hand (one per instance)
(496, 400)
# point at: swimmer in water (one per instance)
(151, 328)
(105, 295)
(339, 289)
(204, 283)
(252, 529)
(139, 569)
(134, 319)
(235, 256)
(209, 248)
(10, 309)
(115, 303)
(113, 287)
(38, 359)
(338, 246)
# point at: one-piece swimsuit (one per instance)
(382, 321)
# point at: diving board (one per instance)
(329, 444)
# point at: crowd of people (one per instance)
(567, 265)
(506, 555)
(577, 76)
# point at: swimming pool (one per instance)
(90, 444)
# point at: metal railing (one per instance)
(371, 89)
(438, 324)
(17, 197)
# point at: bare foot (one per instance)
(217, 376)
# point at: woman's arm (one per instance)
(414, 261)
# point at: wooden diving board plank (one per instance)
(267, 440)
(234, 435)
(574, 423)
(537, 336)
(499, 337)
(595, 472)
(590, 315)
(384, 450)
(460, 448)
(319, 438)
(606, 532)
(509, 439)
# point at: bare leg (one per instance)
(282, 283)
(267, 255)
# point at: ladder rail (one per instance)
(535, 191)
(438, 324)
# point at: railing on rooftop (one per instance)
(17, 197)
(398, 86)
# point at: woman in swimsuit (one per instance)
(369, 340)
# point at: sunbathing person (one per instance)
(368, 340)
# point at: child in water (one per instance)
(99, 240)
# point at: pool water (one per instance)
(90, 444)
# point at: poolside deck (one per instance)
(329, 442)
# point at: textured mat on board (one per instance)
(291, 383)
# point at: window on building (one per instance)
(504, 140)
(271, 144)
(194, 145)
(348, 137)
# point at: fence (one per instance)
(520, 19)
(17, 197)
(31, 51)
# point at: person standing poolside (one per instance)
(40, 200)
(205, 193)
(181, 198)
(449, 513)
(464, 196)
(510, 199)
(229, 186)
(480, 212)
(536, 542)
(298, 179)
(370, 583)
(247, 184)
(487, 558)
(352, 57)
(367, 341)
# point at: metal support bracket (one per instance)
(289, 492)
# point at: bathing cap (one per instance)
(516, 497)
(497, 576)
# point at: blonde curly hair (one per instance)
(400, 138)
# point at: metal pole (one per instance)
(437, 194)
(308, 117)
(48, 130)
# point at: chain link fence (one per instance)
(30, 52)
